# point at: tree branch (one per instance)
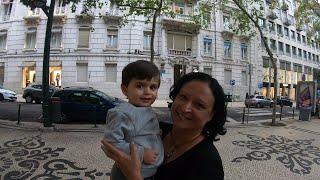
(45, 9)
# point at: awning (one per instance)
(28, 64)
(55, 63)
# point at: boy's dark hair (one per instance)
(139, 70)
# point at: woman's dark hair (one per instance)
(215, 125)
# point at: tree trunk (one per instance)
(274, 61)
(45, 69)
(154, 23)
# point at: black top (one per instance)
(201, 162)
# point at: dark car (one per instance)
(284, 101)
(84, 103)
(33, 92)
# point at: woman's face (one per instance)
(193, 106)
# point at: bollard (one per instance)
(95, 116)
(293, 113)
(243, 113)
(248, 114)
(281, 111)
(19, 110)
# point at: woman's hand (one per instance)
(130, 166)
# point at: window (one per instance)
(300, 53)
(56, 38)
(207, 46)
(244, 51)
(3, 40)
(227, 48)
(294, 51)
(76, 97)
(207, 70)
(303, 39)
(305, 55)
(82, 72)
(273, 44)
(146, 40)
(182, 8)
(293, 35)
(111, 72)
(59, 7)
(6, 9)
(244, 81)
(309, 56)
(179, 44)
(313, 57)
(112, 41)
(271, 27)
(286, 32)
(279, 30)
(299, 37)
(31, 38)
(262, 23)
(226, 22)
(84, 32)
(280, 47)
(227, 76)
(288, 50)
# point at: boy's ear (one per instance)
(124, 89)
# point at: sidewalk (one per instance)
(249, 151)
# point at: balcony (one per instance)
(32, 17)
(180, 22)
(271, 14)
(287, 22)
(112, 16)
(177, 52)
(84, 19)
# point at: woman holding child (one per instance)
(198, 115)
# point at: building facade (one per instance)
(92, 50)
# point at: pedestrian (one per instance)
(198, 115)
(135, 120)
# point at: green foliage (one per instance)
(307, 17)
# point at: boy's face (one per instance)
(141, 93)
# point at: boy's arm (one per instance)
(118, 127)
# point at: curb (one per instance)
(36, 126)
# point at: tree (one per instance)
(152, 9)
(307, 15)
(49, 11)
(245, 21)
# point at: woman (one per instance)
(198, 115)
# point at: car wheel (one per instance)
(29, 99)
(38, 101)
(1, 97)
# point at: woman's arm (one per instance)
(129, 165)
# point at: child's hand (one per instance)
(149, 156)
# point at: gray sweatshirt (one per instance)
(127, 123)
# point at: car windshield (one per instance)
(102, 94)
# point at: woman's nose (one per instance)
(186, 107)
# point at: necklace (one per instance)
(176, 146)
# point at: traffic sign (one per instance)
(232, 82)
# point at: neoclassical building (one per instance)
(92, 50)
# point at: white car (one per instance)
(7, 95)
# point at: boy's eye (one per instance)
(154, 87)
(139, 86)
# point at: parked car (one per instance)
(33, 92)
(258, 101)
(7, 95)
(284, 100)
(84, 103)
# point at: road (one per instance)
(33, 112)
(256, 114)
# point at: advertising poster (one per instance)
(306, 94)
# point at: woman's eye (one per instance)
(200, 106)
(182, 97)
